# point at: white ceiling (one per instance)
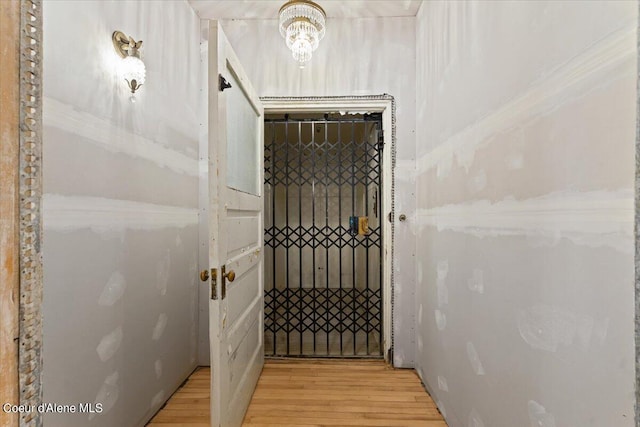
(268, 9)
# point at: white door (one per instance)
(236, 306)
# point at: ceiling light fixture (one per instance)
(302, 24)
(132, 68)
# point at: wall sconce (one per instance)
(132, 68)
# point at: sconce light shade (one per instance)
(133, 71)
(132, 68)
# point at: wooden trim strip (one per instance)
(9, 220)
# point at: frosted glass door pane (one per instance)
(242, 140)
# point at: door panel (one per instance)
(243, 231)
(236, 233)
(242, 126)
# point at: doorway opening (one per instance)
(323, 234)
(328, 200)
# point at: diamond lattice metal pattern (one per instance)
(323, 292)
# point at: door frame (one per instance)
(384, 104)
(20, 210)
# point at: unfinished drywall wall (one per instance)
(365, 56)
(525, 174)
(120, 210)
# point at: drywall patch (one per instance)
(193, 268)
(443, 294)
(419, 342)
(478, 182)
(113, 290)
(109, 344)
(441, 320)
(593, 218)
(157, 366)
(107, 394)
(157, 400)
(397, 286)
(539, 416)
(69, 213)
(442, 271)
(442, 383)
(113, 138)
(606, 60)
(160, 326)
(474, 359)
(398, 357)
(405, 171)
(514, 158)
(543, 240)
(546, 327)
(514, 161)
(443, 166)
(420, 310)
(474, 419)
(440, 406)
(476, 282)
(162, 272)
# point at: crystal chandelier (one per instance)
(302, 24)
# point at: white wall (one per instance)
(120, 209)
(525, 172)
(367, 56)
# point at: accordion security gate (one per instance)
(323, 237)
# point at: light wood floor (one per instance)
(315, 393)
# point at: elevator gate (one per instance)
(323, 236)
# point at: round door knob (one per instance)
(231, 275)
(204, 275)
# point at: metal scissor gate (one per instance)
(323, 237)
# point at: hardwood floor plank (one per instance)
(315, 393)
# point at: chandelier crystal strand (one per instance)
(302, 25)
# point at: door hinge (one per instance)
(223, 83)
(214, 283)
